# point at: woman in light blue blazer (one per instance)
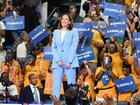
(64, 46)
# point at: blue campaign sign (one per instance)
(83, 26)
(138, 56)
(113, 10)
(85, 53)
(125, 84)
(48, 53)
(85, 39)
(119, 21)
(96, 24)
(116, 30)
(10, 14)
(14, 23)
(38, 34)
(87, 26)
(136, 39)
(88, 34)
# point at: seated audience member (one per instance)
(8, 91)
(86, 81)
(125, 96)
(32, 68)
(105, 77)
(32, 94)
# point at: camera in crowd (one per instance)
(82, 95)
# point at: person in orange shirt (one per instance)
(32, 68)
(126, 96)
(42, 63)
(12, 66)
(86, 78)
(96, 43)
(114, 50)
(105, 77)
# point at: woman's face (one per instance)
(126, 43)
(65, 21)
(25, 36)
(130, 16)
(84, 72)
(112, 48)
(126, 71)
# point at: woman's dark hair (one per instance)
(71, 96)
(70, 19)
(125, 65)
(86, 7)
(82, 66)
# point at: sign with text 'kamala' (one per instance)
(83, 26)
(14, 23)
(117, 31)
(86, 53)
(48, 53)
(125, 84)
(87, 26)
(113, 10)
(118, 21)
(38, 34)
(85, 39)
(136, 39)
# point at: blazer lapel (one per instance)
(30, 93)
(59, 37)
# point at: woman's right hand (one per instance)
(60, 63)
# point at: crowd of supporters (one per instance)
(22, 59)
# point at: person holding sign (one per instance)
(64, 46)
(96, 43)
(86, 80)
(125, 96)
(105, 77)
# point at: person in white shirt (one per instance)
(8, 91)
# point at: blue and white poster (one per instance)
(87, 34)
(14, 23)
(83, 26)
(125, 84)
(113, 10)
(85, 53)
(119, 21)
(85, 39)
(10, 14)
(136, 39)
(138, 56)
(87, 26)
(48, 53)
(38, 34)
(118, 31)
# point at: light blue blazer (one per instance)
(65, 51)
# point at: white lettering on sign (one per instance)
(38, 34)
(113, 10)
(125, 84)
(15, 23)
